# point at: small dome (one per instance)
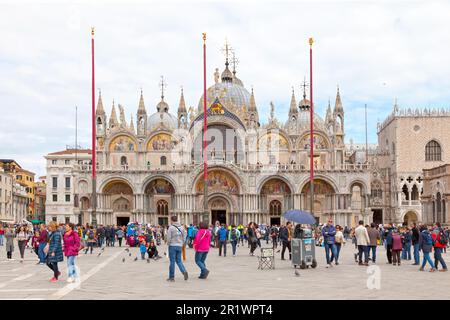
(161, 119)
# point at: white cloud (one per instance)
(375, 51)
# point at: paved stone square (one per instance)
(107, 277)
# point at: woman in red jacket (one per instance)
(202, 242)
(71, 248)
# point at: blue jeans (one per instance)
(438, 258)
(2, 237)
(416, 254)
(427, 258)
(41, 253)
(365, 250)
(233, 246)
(406, 251)
(374, 252)
(338, 250)
(200, 258)
(175, 257)
(328, 248)
(71, 272)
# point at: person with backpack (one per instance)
(71, 247)
(274, 236)
(90, 240)
(201, 245)
(440, 241)
(406, 241)
(176, 238)
(222, 234)
(233, 237)
(426, 245)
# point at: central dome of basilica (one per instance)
(230, 91)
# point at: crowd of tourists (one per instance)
(52, 242)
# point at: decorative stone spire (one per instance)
(100, 110)
(123, 121)
(182, 104)
(182, 112)
(131, 124)
(338, 105)
(141, 108)
(113, 118)
(293, 108)
(252, 102)
(272, 111)
(329, 115)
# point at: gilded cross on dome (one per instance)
(227, 49)
(162, 85)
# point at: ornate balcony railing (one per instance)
(241, 166)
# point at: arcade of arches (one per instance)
(118, 203)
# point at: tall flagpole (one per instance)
(365, 118)
(311, 134)
(94, 161)
(205, 145)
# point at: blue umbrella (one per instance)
(300, 216)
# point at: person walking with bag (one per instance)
(71, 248)
(440, 241)
(54, 250)
(233, 237)
(22, 240)
(201, 245)
(9, 236)
(176, 239)
(251, 236)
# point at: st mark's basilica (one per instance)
(256, 171)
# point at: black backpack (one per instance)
(233, 235)
(443, 239)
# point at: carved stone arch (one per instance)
(151, 178)
(283, 178)
(196, 174)
(212, 174)
(327, 179)
(320, 133)
(154, 134)
(115, 138)
(361, 183)
(262, 133)
(117, 178)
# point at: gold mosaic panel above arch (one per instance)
(123, 143)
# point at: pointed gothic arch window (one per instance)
(275, 208)
(433, 151)
(414, 193)
(162, 208)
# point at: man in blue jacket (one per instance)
(223, 236)
(328, 233)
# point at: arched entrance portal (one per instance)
(410, 218)
(219, 208)
(323, 199)
(276, 198)
(119, 199)
(159, 193)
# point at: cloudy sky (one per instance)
(375, 51)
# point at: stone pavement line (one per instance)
(71, 286)
(23, 277)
